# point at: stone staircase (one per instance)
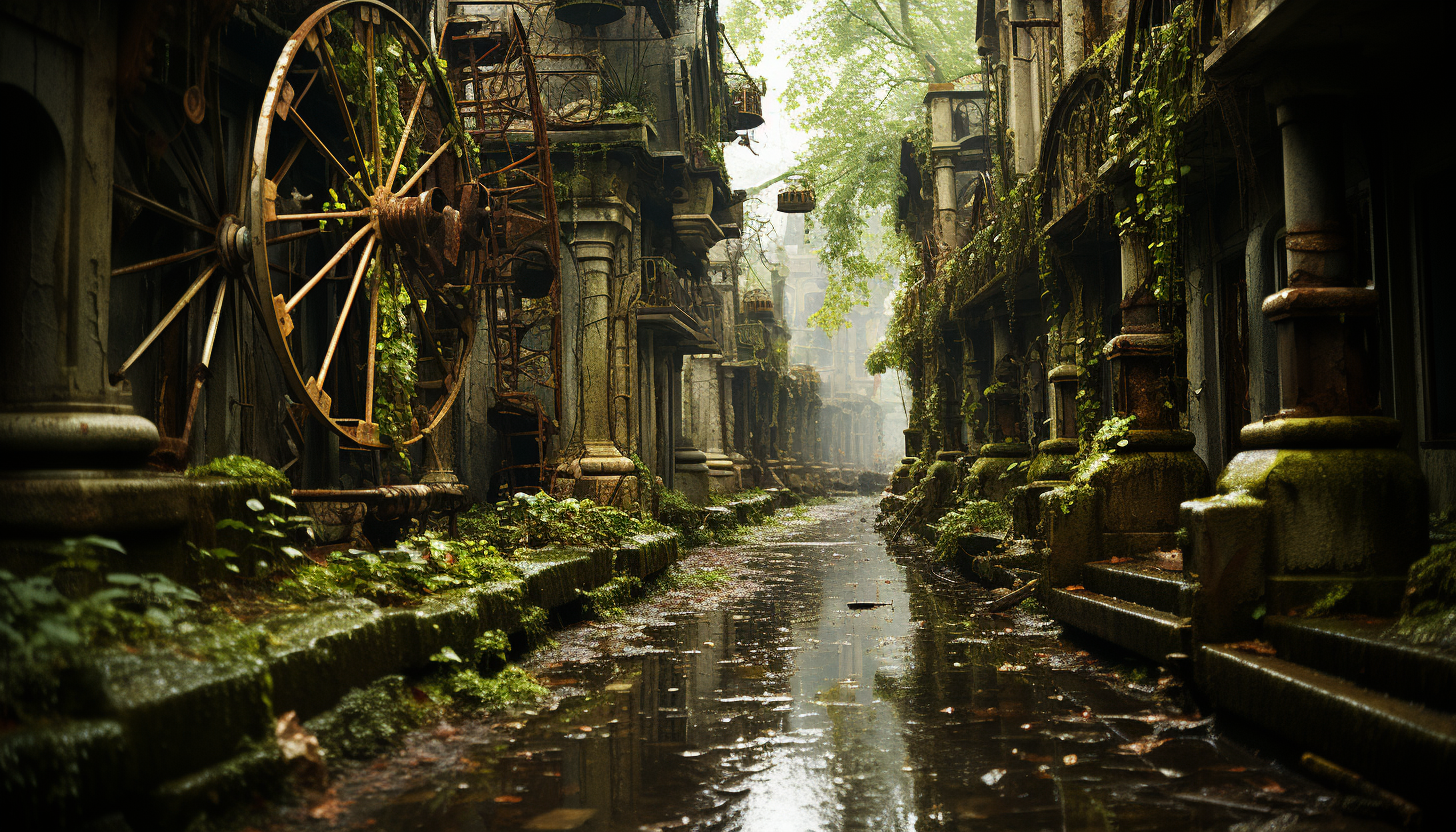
(1134, 603)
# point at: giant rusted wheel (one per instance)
(373, 317)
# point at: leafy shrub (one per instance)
(975, 517)
(534, 520)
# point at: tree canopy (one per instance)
(858, 76)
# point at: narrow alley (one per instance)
(761, 700)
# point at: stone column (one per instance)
(1320, 499)
(690, 468)
(1001, 462)
(603, 472)
(72, 450)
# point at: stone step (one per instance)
(1143, 584)
(1404, 747)
(1151, 633)
(1359, 650)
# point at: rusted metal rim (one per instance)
(397, 223)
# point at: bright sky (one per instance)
(776, 141)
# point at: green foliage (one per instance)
(859, 73)
(974, 517)
(534, 520)
(396, 354)
(1110, 435)
(680, 578)
(1148, 129)
(422, 565)
(44, 628)
(609, 599)
(269, 536)
(1428, 611)
(511, 687)
(677, 511)
(244, 468)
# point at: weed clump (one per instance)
(511, 687)
(1428, 611)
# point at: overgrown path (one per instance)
(750, 694)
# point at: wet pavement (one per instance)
(764, 702)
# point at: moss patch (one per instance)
(1428, 611)
(245, 469)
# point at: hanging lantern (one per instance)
(747, 107)
(797, 196)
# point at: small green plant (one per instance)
(975, 517)
(511, 687)
(267, 537)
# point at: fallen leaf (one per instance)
(1075, 588)
(328, 810)
(1069, 760)
(508, 798)
(300, 750)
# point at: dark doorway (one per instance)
(1233, 348)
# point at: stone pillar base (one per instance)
(146, 511)
(992, 476)
(723, 476)
(690, 474)
(1142, 486)
(1339, 523)
(601, 474)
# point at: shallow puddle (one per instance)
(769, 703)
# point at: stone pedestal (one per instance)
(993, 476)
(1320, 506)
(690, 473)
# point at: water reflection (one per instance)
(787, 710)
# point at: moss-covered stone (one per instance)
(1336, 510)
(245, 469)
(367, 720)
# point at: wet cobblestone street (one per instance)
(750, 696)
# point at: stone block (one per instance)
(1026, 508)
(1071, 520)
(1142, 492)
(1225, 555)
(1336, 510)
(993, 477)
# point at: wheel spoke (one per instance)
(326, 57)
(323, 215)
(288, 162)
(375, 151)
(169, 213)
(409, 124)
(333, 261)
(201, 371)
(373, 336)
(328, 154)
(167, 319)
(162, 261)
(344, 313)
(426, 166)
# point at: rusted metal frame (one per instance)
(166, 321)
(325, 54)
(147, 265)
(170, 213)
(435, 295)
(333, 261)
(548, 198)
(202, 372)
(429, 332)
(363, 266)
(404, 137)
(329, 154)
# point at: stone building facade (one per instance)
(1179, 308)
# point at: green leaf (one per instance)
(254, 503)
(125, 579)
(287, 501)
(446, 654)
(103, 543)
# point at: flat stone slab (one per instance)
(1143, 630)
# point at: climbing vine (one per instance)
(1147, 129)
